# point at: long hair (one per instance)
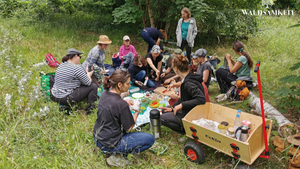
(164, 34)
(238, 46)
(187, 11)
(119, 76)
(138, 59)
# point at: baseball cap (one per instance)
(155, 49)
(178, 51)
(126, 37)
(73, 51)
(200, 53)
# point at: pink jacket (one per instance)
(123, 51)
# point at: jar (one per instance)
(221, 128)
(230, 132)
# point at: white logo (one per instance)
(267, 3)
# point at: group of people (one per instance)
(74, 83)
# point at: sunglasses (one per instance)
(79, 56)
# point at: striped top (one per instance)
(95, 58)
(68, 77)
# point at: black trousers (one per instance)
(172, 121)
(78, 95)
(224, 78)
(185, 44)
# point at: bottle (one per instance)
(237, 123)
(155, 123)
(240, 113)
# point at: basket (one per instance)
(47, 81)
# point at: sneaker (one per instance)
(117, 161)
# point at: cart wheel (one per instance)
(194, 152)
(244, 167)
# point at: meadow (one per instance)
(34, 134)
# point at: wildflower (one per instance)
(7, 100)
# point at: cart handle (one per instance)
(257, 66)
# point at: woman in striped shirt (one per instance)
(73, 84)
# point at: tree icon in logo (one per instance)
(267, 3)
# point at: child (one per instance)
(127, 52)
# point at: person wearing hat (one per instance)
(169, 74)
(73, 84)
(150, 35)
(96, 58)
(154, 60)
(186, 32)
(126, 49)
(204, 67)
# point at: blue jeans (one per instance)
(135, 142)
(146, 36)
(141, 77)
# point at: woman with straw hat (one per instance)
(96, 58)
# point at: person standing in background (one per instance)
(186, 32)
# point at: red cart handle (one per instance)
(257, 66)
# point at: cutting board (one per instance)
(167, 93)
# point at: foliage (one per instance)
(7, 6)
(296, 25)
(287, 4)
(290, 97)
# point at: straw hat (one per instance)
(103, 39)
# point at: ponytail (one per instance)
(250, 62)
(106, 83)
(119, 76)
(181, 63)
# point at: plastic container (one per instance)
(158, 148)
(230, 132)
(237, 123)
(221, 128)
(154, 104)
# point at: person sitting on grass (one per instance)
(139, 72)
(96, 58)
(241, 68)
(169, 74)
(154, 60)
(191, 95)
(204, 66)
(73, 84)
(127, 51)
(115, 121)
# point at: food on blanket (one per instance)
(154, 104)
(164, 91)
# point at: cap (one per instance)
(73, 51)
(155, 49)
(126, 37)
(178, 51)
(200, 53)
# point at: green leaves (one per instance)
(284, 92)
(291, 79)
(296, 66)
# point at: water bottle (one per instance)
(237, 123)
(240, 113)
(155, 123)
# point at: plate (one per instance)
(106, 70)
(137, 95)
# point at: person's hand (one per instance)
(157, 73)
(195, 72)
(177, 108)
(170, 86)
(228, 57)
(157, 78)
(130, 102)
(174, 96)
(146, 78)
(89, 74)
(166, 109)
(103, 71)
(167, 81)
(137, 82)
(162, 75)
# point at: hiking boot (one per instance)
(117, 161)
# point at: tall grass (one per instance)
(34, 134)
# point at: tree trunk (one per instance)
(167, 27)
(143, 17)
(148, 4)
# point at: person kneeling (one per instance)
(191, 95)
(73, 84)
(115, 121)
(139, 72)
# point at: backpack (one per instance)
(52, 62)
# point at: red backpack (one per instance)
(52, 62)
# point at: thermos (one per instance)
(155, 122)
(244, 134)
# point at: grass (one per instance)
(34, 134)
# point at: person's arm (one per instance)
(159, 65)
(195, 31)
(127, 119)
(168, 70)
(158, 41)
(236, 66)
(132, 74)
(205, 75)
(149, 61)
(134, 52)
(82, 76)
